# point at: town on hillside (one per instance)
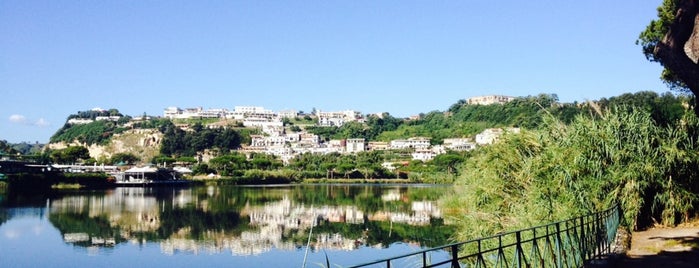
(286, 143)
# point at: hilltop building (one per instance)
(489, 99)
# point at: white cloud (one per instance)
(21, 119)
(18, 118)
(42, 123)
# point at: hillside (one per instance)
(143, 143)
(106, 133)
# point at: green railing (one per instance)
(568, 243)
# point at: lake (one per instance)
(229, 226)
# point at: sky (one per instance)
(403, 57)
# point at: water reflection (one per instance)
(243, 221)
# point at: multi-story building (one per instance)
(489, 99)
(411, 143)
(459, 144)
(243, 112)
(355, 145)
(328, 119)
(269, 126)
(267, 141)
(378, 146)
(423, 155)
(197, 112)
(287, 114)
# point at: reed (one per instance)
(561, 171)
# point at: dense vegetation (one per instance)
(6, 148)
(96, 132)
(562, 170)
(177, 142)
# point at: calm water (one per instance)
(220, 226)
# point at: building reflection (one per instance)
(141, 215)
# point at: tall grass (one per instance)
(562, 171)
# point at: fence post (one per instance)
(559, 249)
(598, 236)
(424, 259)
(583, 239)
(518, 249)
(455, 256)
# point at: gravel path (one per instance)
(663, 247)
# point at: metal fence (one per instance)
(568, 243)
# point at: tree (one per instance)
(673, 41)
(126, 158)
(70, 154)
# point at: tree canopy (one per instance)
(673, 41)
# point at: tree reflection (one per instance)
(248, 220)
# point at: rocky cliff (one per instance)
(144, 143)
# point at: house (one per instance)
(355, 145)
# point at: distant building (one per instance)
(197, 112)
(411, 143)
(378, 146)
(423, 155)
(108, 118)
(243, 112)
(489, 99)
(459, 144)
(288, 114)
(79, 121)
(490, 135)
(355, 145)
(329, 119)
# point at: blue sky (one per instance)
(403, 57)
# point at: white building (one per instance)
(411, 143)
(267, 141)
(197, 112)
(490, 135)
(244, 112)
(287, 114)
(355, 145)
(328, 119)
(423, 154)
(459, 144)
(489, 99)
(79, 121)
(113, 118)
(270, 126)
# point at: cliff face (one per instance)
(144, 143)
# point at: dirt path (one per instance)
(663, 247)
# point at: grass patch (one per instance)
(61, 186)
